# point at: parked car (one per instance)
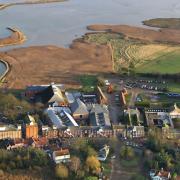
(107, 83)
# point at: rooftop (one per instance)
(99, 115)
(78, 107)
(60, 117)
(61, 152)
(51, 94)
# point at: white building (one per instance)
(175, 112)
(60, 156)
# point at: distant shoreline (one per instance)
(171, 23)
(3, 6)
(141, 34)
(17, 37)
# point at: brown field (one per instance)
(39, 174)
(46, 64)
(162, 35)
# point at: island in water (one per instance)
(172, 23)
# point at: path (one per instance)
(117, 171)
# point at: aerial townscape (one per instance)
(89, 90)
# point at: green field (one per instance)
(139, 57)
(174, 87)
(167, 63)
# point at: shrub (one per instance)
(61, 171)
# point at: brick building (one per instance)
(12, 132)
(31, 131)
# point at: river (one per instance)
(2, 68)
(59, 23)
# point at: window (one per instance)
(80, 116)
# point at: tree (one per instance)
(100, 81)
(177, 167)
(92, 163)
(79, 144)
(90, 151)
(1, 172)
(174, 176)
(164, 159)
(61, 171)
(75, 164)
(39, 157)
(80, 174)
(91, 178)
(126, 152)
(11, 107)
(155, 141)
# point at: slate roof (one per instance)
(78, 107)
(60, 118)
(99, 116)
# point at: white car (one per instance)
(113, 157)
(107, 83)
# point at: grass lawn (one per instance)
(130, 168)
(89, 82)
(162, 99)
(165, 64)
(130, 163)
(174, 87)
(107, 168)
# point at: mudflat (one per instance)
(143, 34)
(46, 64)
(16, 37)
(26, 2)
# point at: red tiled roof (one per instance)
(40, 141)
(62, 152)
(164, 173)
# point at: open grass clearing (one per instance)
(89, 82)
(165, 64)
(130, 163)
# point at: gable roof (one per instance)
(175, 109)
(60, 117)
(78, 107)
(61, 152)
(51, 94)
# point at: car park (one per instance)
(117, 99)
